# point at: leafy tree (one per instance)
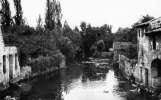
(92, 35)
(76, 29)
(126, 35)
(107, 28)
(58, 15)
(6, 15)
(39, 23)
(72, 41)
(83, 26)
(53, 15)
(19, 14)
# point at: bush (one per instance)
(41, 63)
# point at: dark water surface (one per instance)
(81, 83)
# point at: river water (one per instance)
(79, 82)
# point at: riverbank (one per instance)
(65, 83)
(129, 69)
(23, 86)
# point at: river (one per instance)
(79, 83)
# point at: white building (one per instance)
(9, 64)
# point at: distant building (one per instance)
(149, 52)
(122, 48)
(9, 64)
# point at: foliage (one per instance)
(70, 42)
(91, 35)
(39, 23)
(6, 15)
(83, 26)
(19, 14)
(32, 43)
(41, 63)
(53, 15)
(126, 35)
(130, 34)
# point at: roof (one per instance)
(146, 23)
(153, 26)
(141, 24)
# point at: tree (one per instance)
(83, 26)
(58, 14)
(19, 13)
(76, 29)
(53, 15)
(39, 22)
(107, 28)
(126, 35)
(6, 15)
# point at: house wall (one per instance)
(121, 48)
(5, 64)
(13, 52)
(146, 54)
(128, 67)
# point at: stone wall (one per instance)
(123, 48)
(128, 67)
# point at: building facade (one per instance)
(9, 63)
(122, 48)
(149, 52)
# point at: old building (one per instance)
(149, 52)
(9, 64)
(122, 48)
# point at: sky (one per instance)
(118, 13)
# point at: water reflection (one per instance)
(94, 90)
(83, 82)
(92, 73)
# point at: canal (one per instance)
(80, 82)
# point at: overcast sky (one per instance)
(118, 13)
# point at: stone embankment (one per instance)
(130, 71)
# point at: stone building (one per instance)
(149, 52)
(122, 48)
(9, 64)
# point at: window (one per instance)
(141, 75)
(16, 57)
(154, 43)
(143, 31)
(11, 62)
(139, 32)
(4, 64)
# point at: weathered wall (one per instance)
(146, 54)
(128, 67)
(11, 67)
(9, 64)
(123, 48)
